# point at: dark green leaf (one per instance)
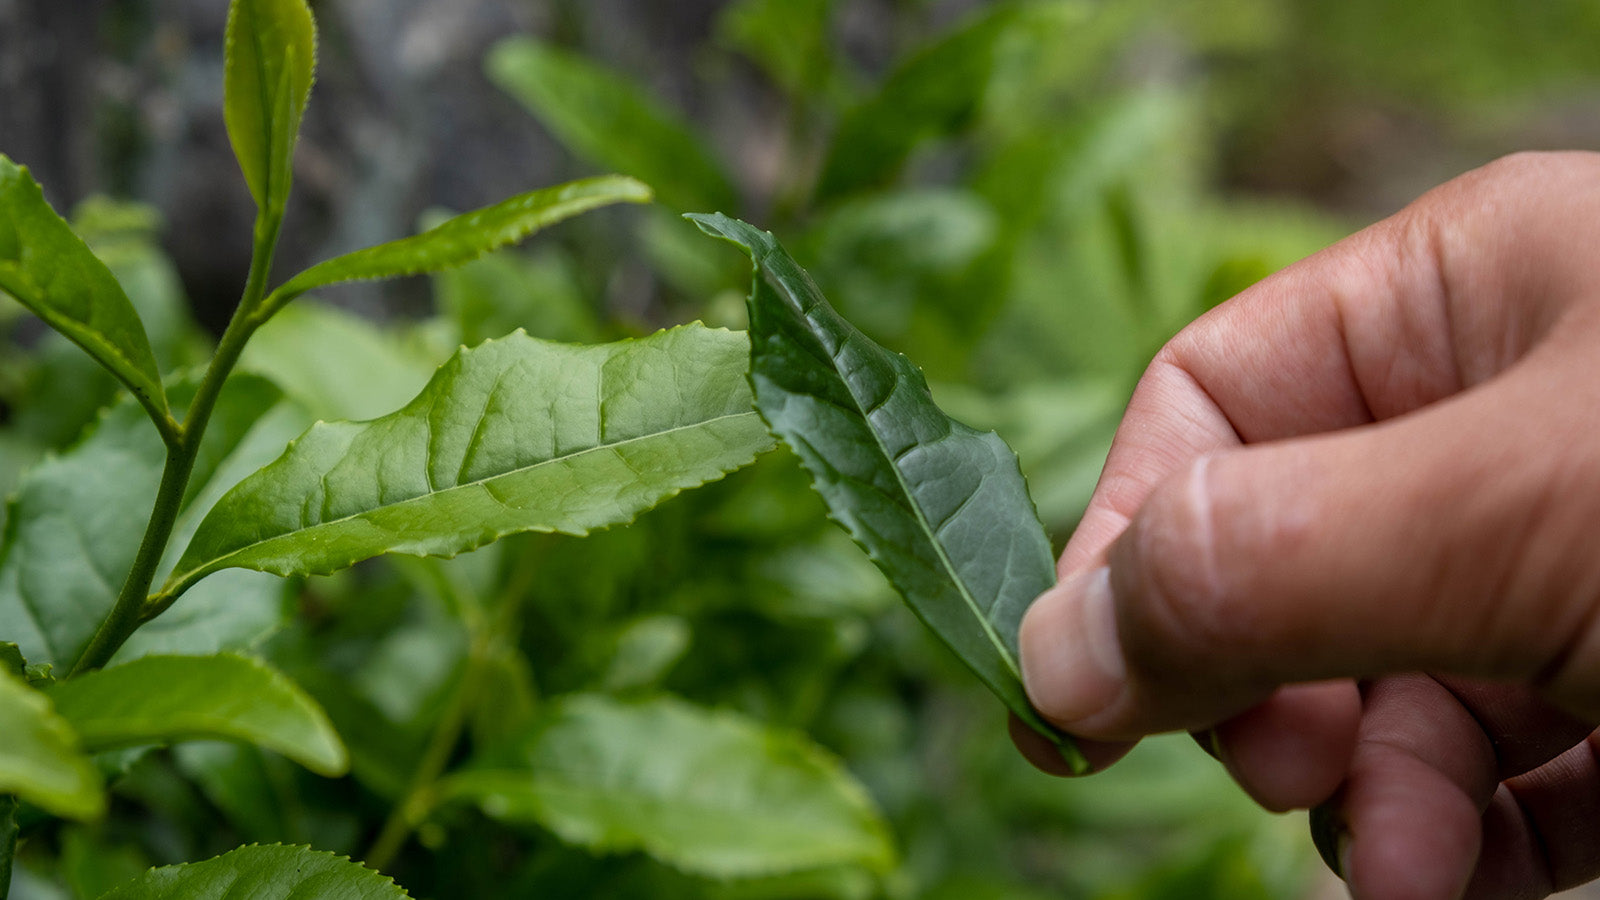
(711, 793)
(271, 58)
(75, 522)
(466, 237)
(39, 756)
(516, 435)
(931, 94)
(50, 270)
(941, 508)
(612, 122)
(165, 699)
(270, 872)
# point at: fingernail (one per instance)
(1072, 664)
(1332, 839)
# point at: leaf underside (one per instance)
(515, 435)
(51, 271)
(941, 508)
(263, 872)
(164, 699)
(712, 793)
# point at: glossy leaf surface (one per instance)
(271, 58)
(164, 699)
(612, 122)
(466, 237)
(50, 270)
(515, 435)
(263, 872)
(712, 793)
(39, 757)
(74, 524)
(941, 508)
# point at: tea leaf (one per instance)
(263, 872)
(39, 758)
(931, 94)
(52, 272)
(712, 793)
(164, 699)
(612, 122)
(74, 524)
(271, 59)
(515, 435)
(941, 508)
(790, 41)
(336, 364)
(466, 237)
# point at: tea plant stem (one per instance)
(129, 611)
(419, 799)
(411, 811)
(8, 841)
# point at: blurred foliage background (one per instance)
(1027, 198)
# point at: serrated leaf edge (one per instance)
(178, 583)
(307, 848)
(631, 190)
(1067, 746)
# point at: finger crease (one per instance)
(1437, 250)
(1536, 839)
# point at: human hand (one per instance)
(1382, 461)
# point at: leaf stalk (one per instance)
(483, 633)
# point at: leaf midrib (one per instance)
(179, 583)
(916, 508)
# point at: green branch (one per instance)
(183, 447)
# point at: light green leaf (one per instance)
(613, 123)
(50, 270)
(165, 699)
(516, 435)
(337, 365)
(263, 872)
(644, 650)
(932, 93)
(466, 237)
(941, 508)
(712, 793)
(75, 521)
(39, 758)
(271, 59)
(790, 40)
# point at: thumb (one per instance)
(1455, 539)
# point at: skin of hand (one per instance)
(1381, 462)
